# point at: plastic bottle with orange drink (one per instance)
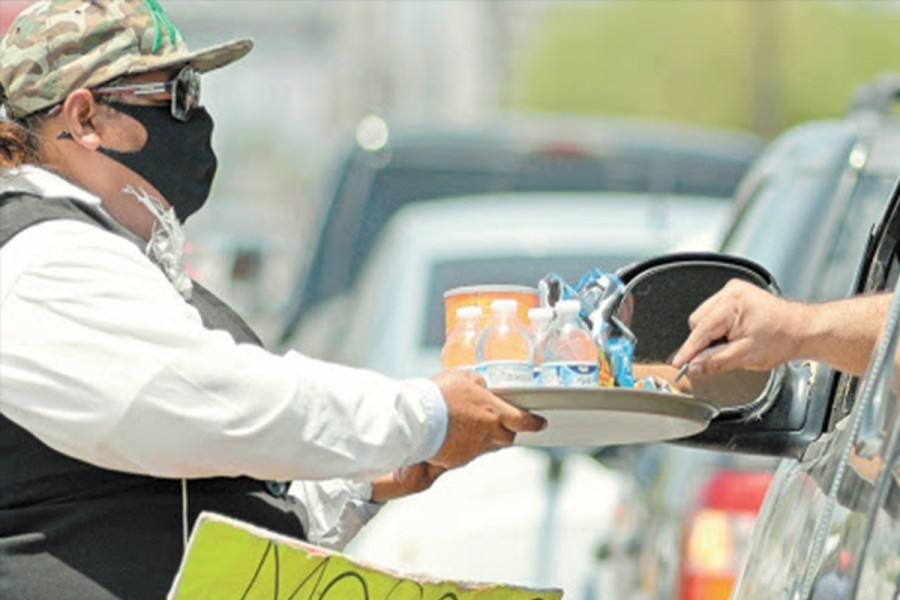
(505, 350)
(459, 349)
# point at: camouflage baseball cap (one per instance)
(57, 46)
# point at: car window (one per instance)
(771, 230)
(647, 171)
(394, 188)
(861, 213)
(356, 220)
(886, 276)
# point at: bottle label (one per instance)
(507, 373)
(570, 374)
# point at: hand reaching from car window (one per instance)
(752, 324)
(478, 421)
(753, 329)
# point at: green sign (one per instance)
(230, 559)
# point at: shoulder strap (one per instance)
(218, 315)
(21, 210)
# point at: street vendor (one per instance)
(131, 398)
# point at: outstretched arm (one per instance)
(762, 331)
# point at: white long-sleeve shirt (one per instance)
(103, 360)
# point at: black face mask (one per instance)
(177, 159)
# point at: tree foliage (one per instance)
(760, 65)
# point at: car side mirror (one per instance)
(660, 295)
(755, 408)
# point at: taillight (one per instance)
(717, 533)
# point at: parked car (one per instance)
(830, 523)
(388, 168)
(804, 211)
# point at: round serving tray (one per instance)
(608, 416)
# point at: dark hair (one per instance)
(18, 140)
(17, 144)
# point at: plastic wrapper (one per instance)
(655, 384)
(605, 378)
(648, 384)
(599, 294)
(620, 352)
(553, 288)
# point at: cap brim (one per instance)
(204, 60)
(220, 55)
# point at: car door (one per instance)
(876, 462)
(816, 535)
(830, 525)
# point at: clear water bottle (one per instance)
(539, 320)
(459, 349)
(568, 353)
(505, 350)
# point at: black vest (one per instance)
(69, 529)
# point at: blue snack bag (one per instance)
(620, 352)
(600, 294)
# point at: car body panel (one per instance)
(830, 525)
(806, 211)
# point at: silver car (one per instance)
(829, 527)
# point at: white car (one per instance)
(521, 515)
(393, 321)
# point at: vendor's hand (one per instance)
(405, 481)
(478, 420)
(758, 329)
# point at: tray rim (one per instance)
(532, 398)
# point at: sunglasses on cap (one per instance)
(184, 89)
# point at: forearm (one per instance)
(246, 413)
(131, 380)
(843, 333)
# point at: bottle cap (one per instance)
(541, 313)
(504, 306)
(568, 307)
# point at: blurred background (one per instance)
(695, 105)
(285, 112)
(319, 68)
